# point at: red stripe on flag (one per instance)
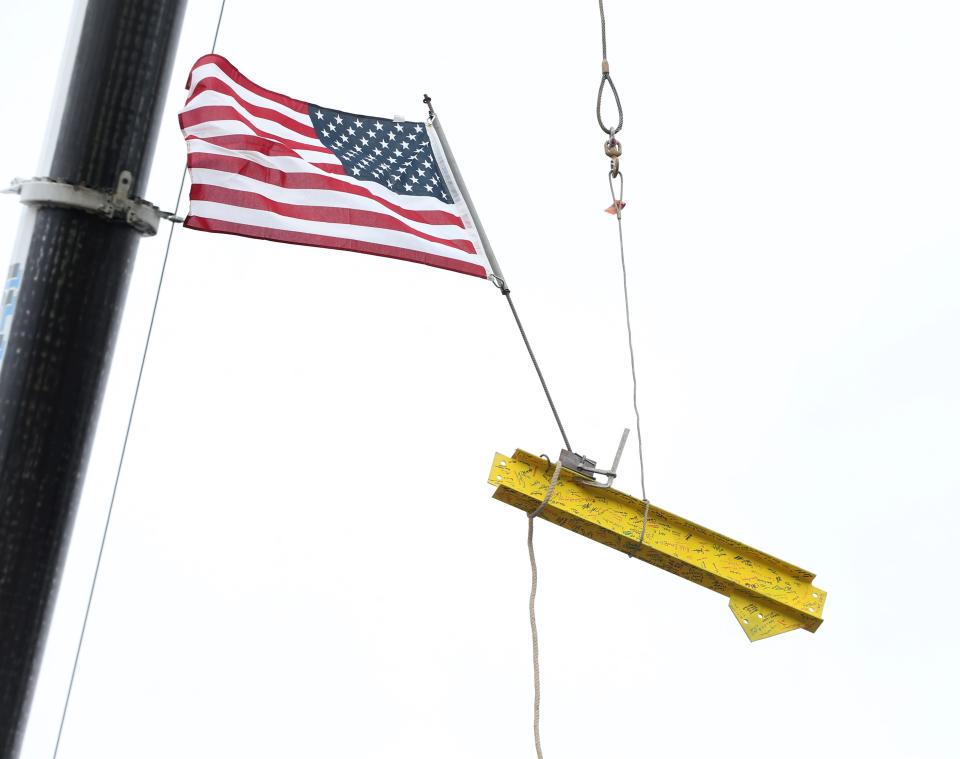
(210, 84)
(338, 243)
(351, 216)
(229, 113)
(230, 70)
(264, 147)
(308, 181)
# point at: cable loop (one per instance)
(615, 197)
(606, 79)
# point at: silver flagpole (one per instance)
(458, 178)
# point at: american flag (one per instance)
(268, 166)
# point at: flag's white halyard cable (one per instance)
(126, 437)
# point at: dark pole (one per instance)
(57, 349)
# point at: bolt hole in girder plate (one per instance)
(759, 620)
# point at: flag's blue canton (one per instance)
(396, 154)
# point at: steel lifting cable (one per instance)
(126, 437)
(607, 80)
(614, 150)
(618, 205)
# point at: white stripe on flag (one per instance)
(269, 220)
(312, 198)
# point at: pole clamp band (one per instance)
(144, 217)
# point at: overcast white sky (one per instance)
(304, 558)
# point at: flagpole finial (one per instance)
(428, 101)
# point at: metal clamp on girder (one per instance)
(588, 467)
(144, 217)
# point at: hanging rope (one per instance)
(126, 436)
(531, 517)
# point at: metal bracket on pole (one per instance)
(144, 217)
(767, 596)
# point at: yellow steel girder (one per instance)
(768, 596)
